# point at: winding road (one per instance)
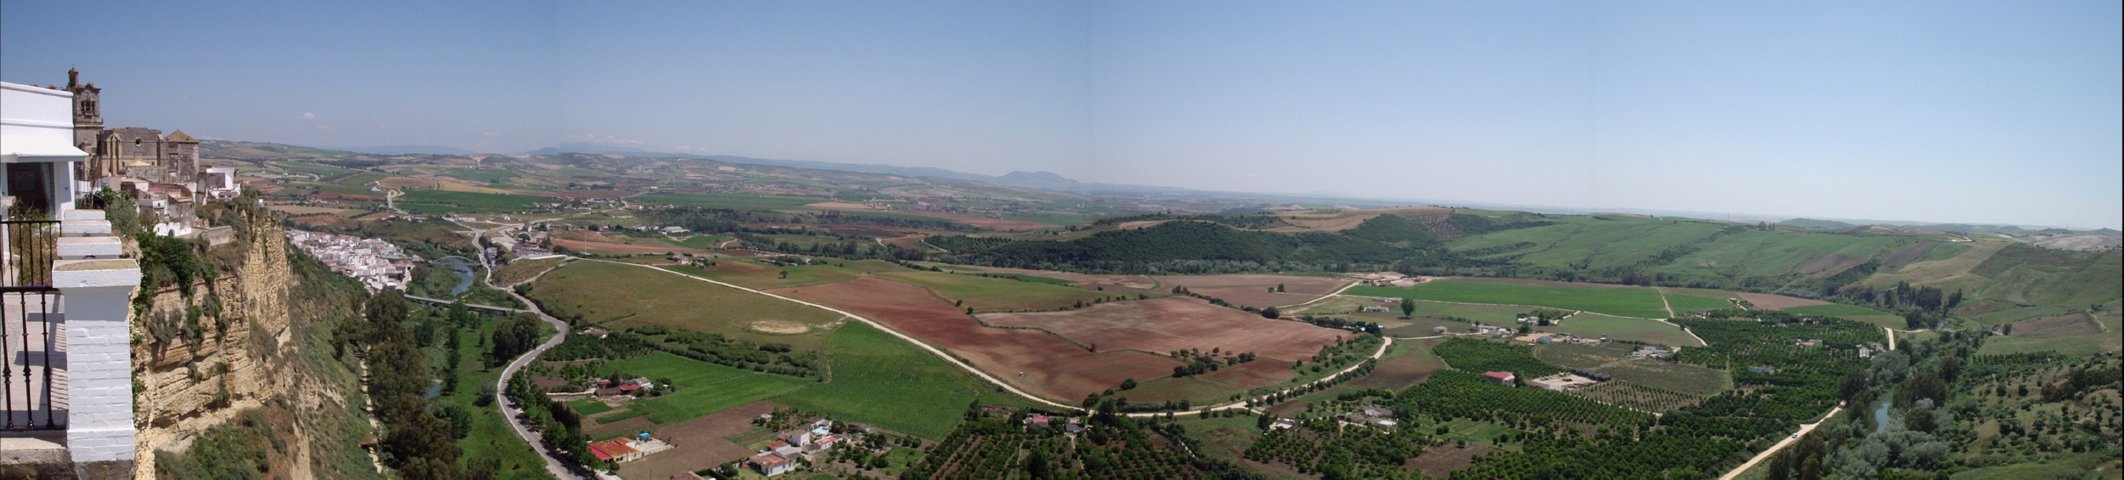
(554, 465)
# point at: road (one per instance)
(1781, 444)
(554, 465)
(1383, 344)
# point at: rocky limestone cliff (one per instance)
(252, 360)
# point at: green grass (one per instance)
(1593, 325)
(317, 169)
(438, 201)
(987, 294)
(620, 296)
(2086, 465)
(763, 276)
(882, 380)
(1684, 303)
(589, 407)
(1625, 301)
(481, 175)
(703, 388)
(1853, 313)
(490, 437)
(726, 200)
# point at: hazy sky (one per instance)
(2000, 112)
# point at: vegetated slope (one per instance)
(1198, 247)
(271, 396)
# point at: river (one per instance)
(463, 268)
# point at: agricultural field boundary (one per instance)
(932, 349)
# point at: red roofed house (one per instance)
(1500, 378)
(770, 464)
(614, 450)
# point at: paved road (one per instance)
(554, 465)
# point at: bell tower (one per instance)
(88, 122)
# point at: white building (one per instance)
(73, 286)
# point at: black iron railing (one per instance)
(31, 334)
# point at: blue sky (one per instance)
(1996, 112)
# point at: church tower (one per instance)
(88, 123)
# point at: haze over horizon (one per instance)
(1953, 112)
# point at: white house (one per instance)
(68, 282)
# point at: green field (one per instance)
(763, 276)
(481, 175)
(703, 388)
(1854, 313)
(490, 436)
(1594, 325)
(882, 380)
(1595, 242)
(620, 296)
(727, 200)
(987, 294)
(438, 201)
(1683, 303)
(1626, 301)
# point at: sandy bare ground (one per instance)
(1166, 324)
(1040, 362)
(1768, 301)
(698, 443)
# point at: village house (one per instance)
(1283, 424)
(1649, 351)
(614, 450)
(1763, 370)
(1500, 378)
(770, 464)
(1807, 342)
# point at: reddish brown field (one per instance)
(1041, 363)
(1255, 297)
(698, 443)
(1768, 301)
(589, 241)
(1441, 461)
(1167, 324)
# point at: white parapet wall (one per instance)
(97, 292)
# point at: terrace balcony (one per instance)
(66, 400)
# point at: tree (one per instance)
(1270, 313)
(1408, 307)
(1128, 384)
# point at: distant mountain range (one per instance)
(1051, 181)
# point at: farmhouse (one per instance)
(1763, 370)
(1561, 382)
(615, 451)
(1283, 424)
(1500, 378)
(1649, 351)
(1807, 342)
(770, 464)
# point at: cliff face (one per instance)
(249, 356)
